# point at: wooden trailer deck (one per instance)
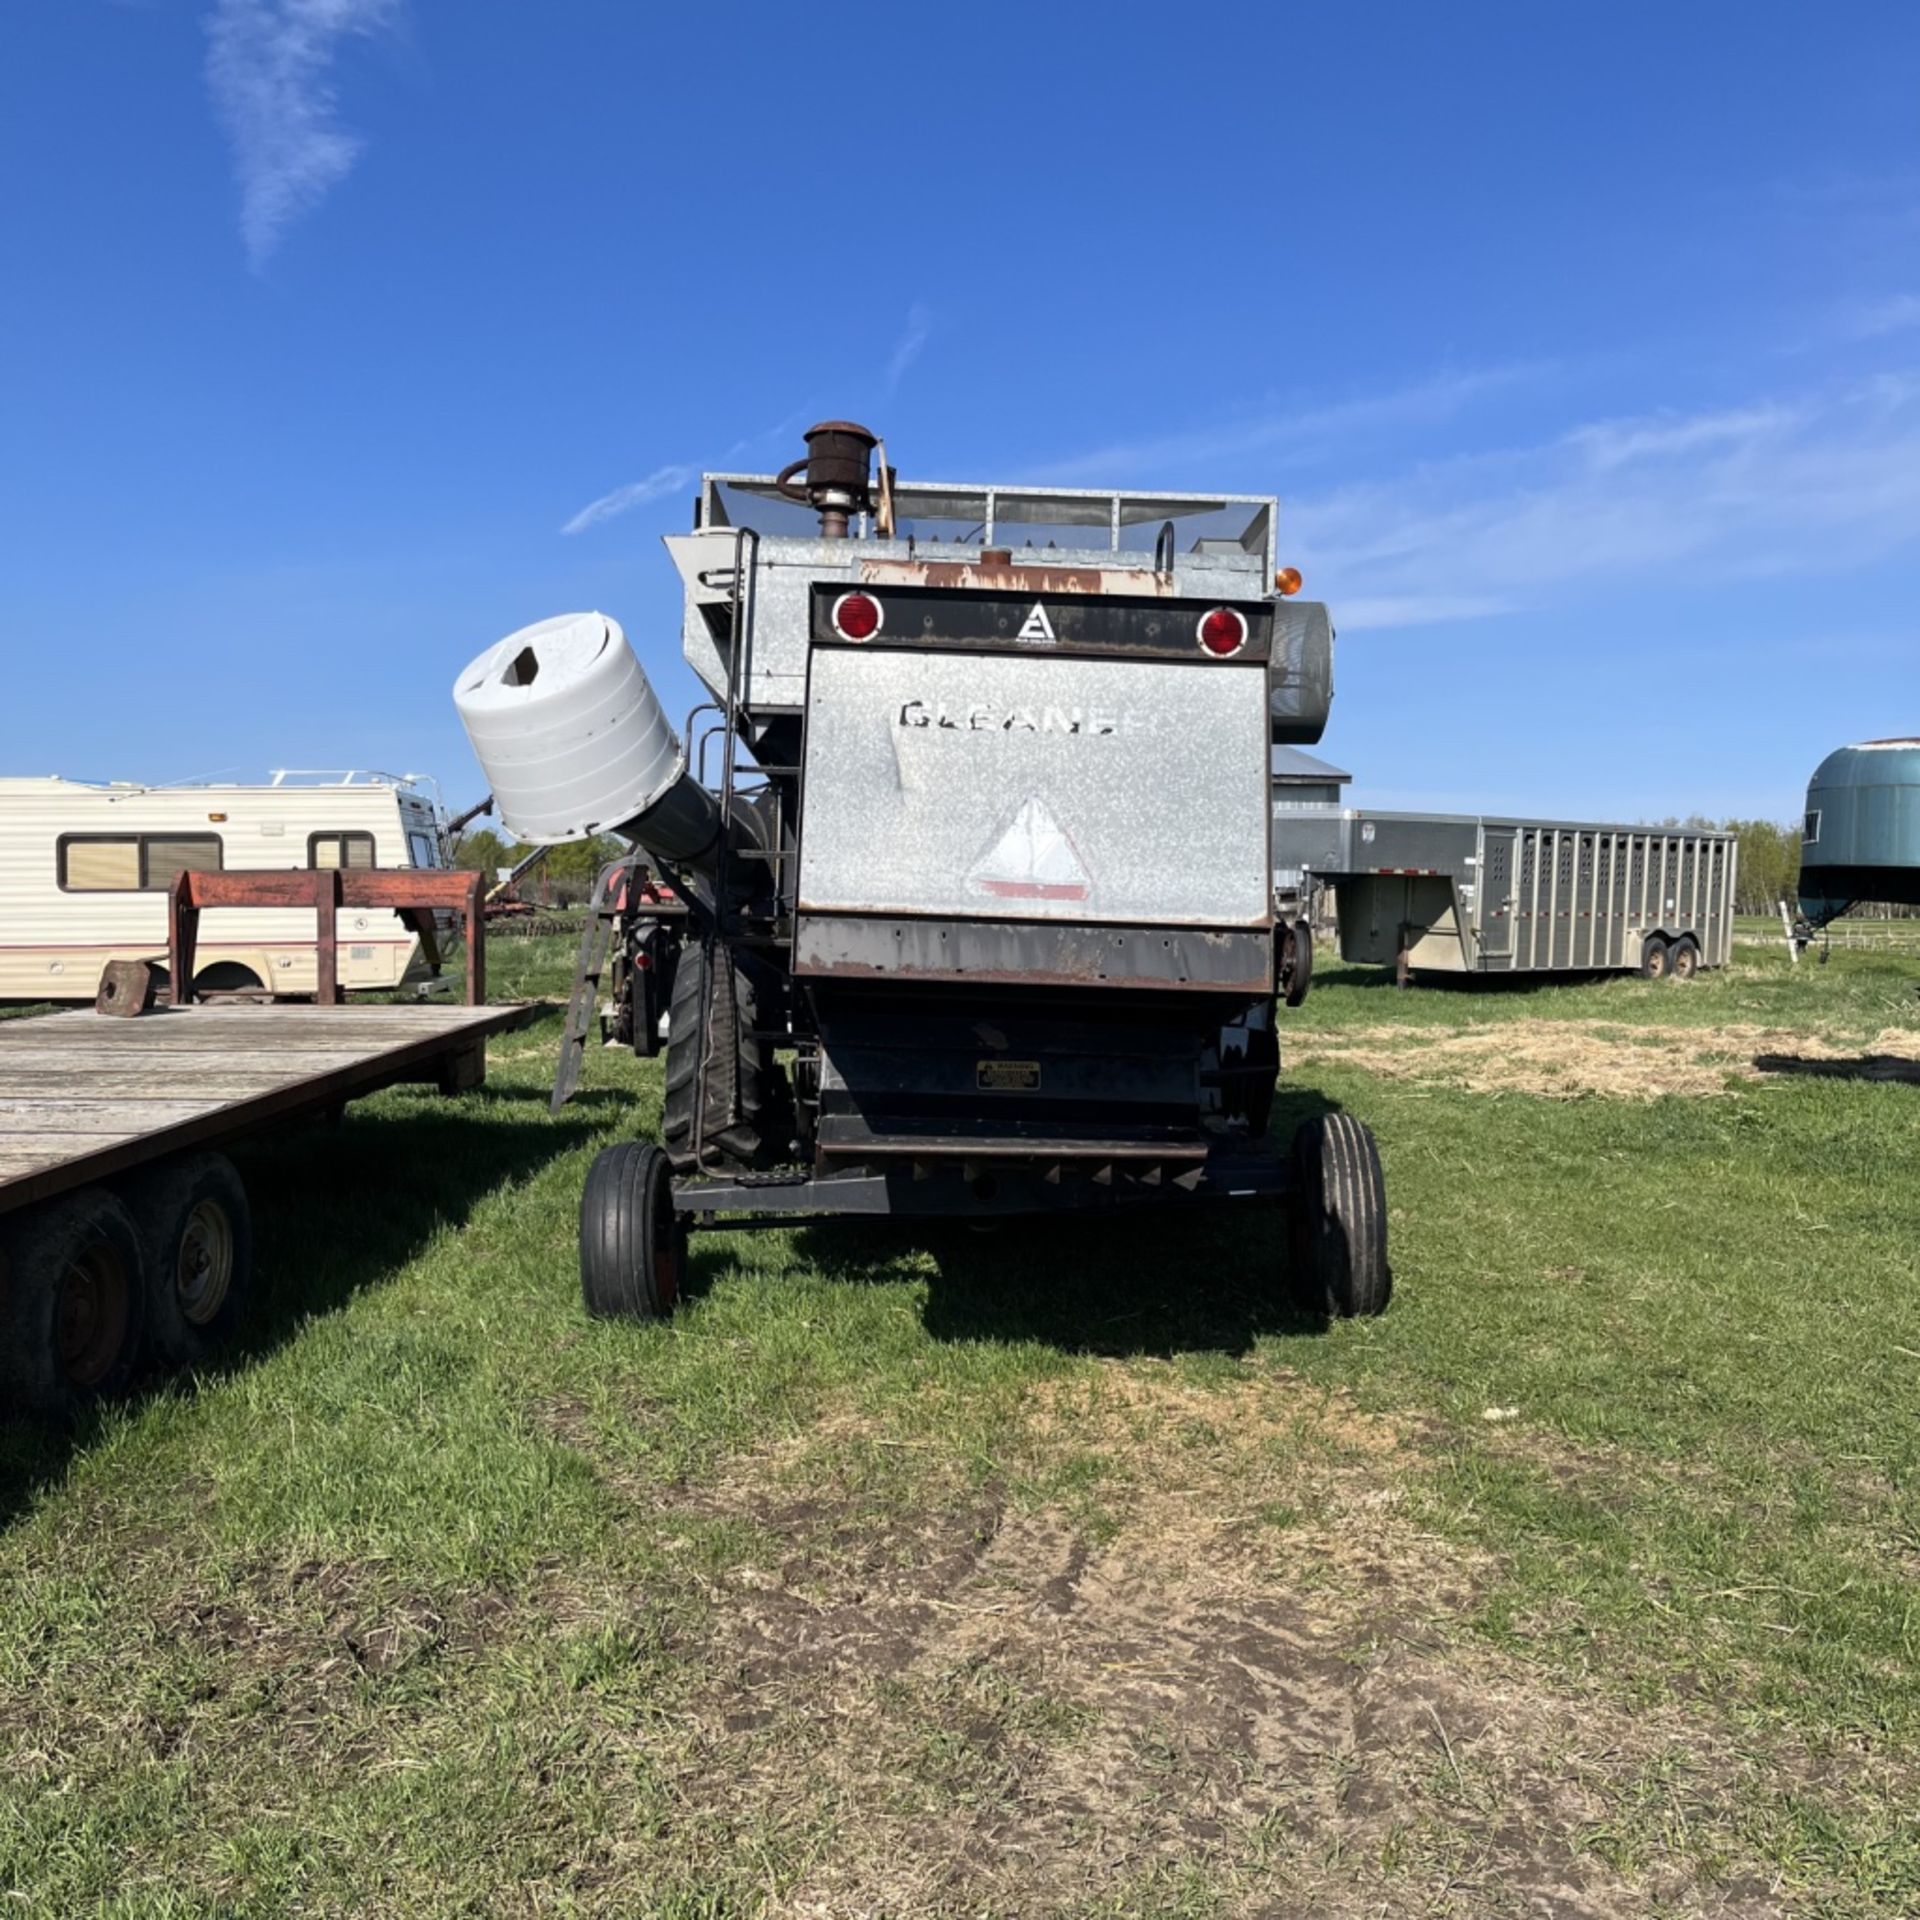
(84, 1096)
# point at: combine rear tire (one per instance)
(196, 1230)
(1340, 1215)
(1654, 958)
(72, 1304)
(746, 1109)
(1683, 960)
(633, 1246)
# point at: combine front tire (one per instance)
(1340, 1215)
(633, 1246)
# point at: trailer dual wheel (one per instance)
(1340, 1214)
(1654, 958)
(1683, 957)
(73, 1305)
(197, 1232)
(633, 1245)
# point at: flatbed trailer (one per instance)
(1461, 893)
(123, 1227)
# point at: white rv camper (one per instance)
(84, 872)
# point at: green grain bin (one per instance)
(1862, 834)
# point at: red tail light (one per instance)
(856, 616)
(1223, 631)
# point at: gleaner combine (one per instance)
(978, 915)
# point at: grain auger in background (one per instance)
(976, 910)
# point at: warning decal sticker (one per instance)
(1007, 1076)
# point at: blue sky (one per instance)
(1581, 343)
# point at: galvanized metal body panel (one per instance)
(1002, 787)
(1460, 893)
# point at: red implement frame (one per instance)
(413, 893)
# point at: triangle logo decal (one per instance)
(1037, 630)
(1033, 859)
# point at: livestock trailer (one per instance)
(1457, 893)
(85, 868)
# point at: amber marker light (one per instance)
(1288, 580)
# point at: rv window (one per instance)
(133, 863)
(340, 850)
(164, 855)
(100, 866)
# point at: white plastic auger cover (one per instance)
(569, 732)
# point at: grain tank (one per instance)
(978, 882)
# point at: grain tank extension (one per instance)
(974, 862)
(1861, 841)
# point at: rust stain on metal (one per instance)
(1010, 578)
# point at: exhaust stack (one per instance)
(838, 469)
(573, 738)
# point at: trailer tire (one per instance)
(72, 1304)
(1653, 958)
(633, 1245)
(1683, 958)
(1340, 1215)
(1296, 963)
(196, 1231)
(745, 1104)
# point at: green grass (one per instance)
(1069, 1570)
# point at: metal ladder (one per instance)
(583, 1005)
(728, 932)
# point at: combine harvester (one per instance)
(1861, 841)
(987, 857)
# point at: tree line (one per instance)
(563, 879)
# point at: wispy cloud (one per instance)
(907, 348)
(1870, 319)
(267, 68)
(1264, 427)
(1824, 480)
(637, 493)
